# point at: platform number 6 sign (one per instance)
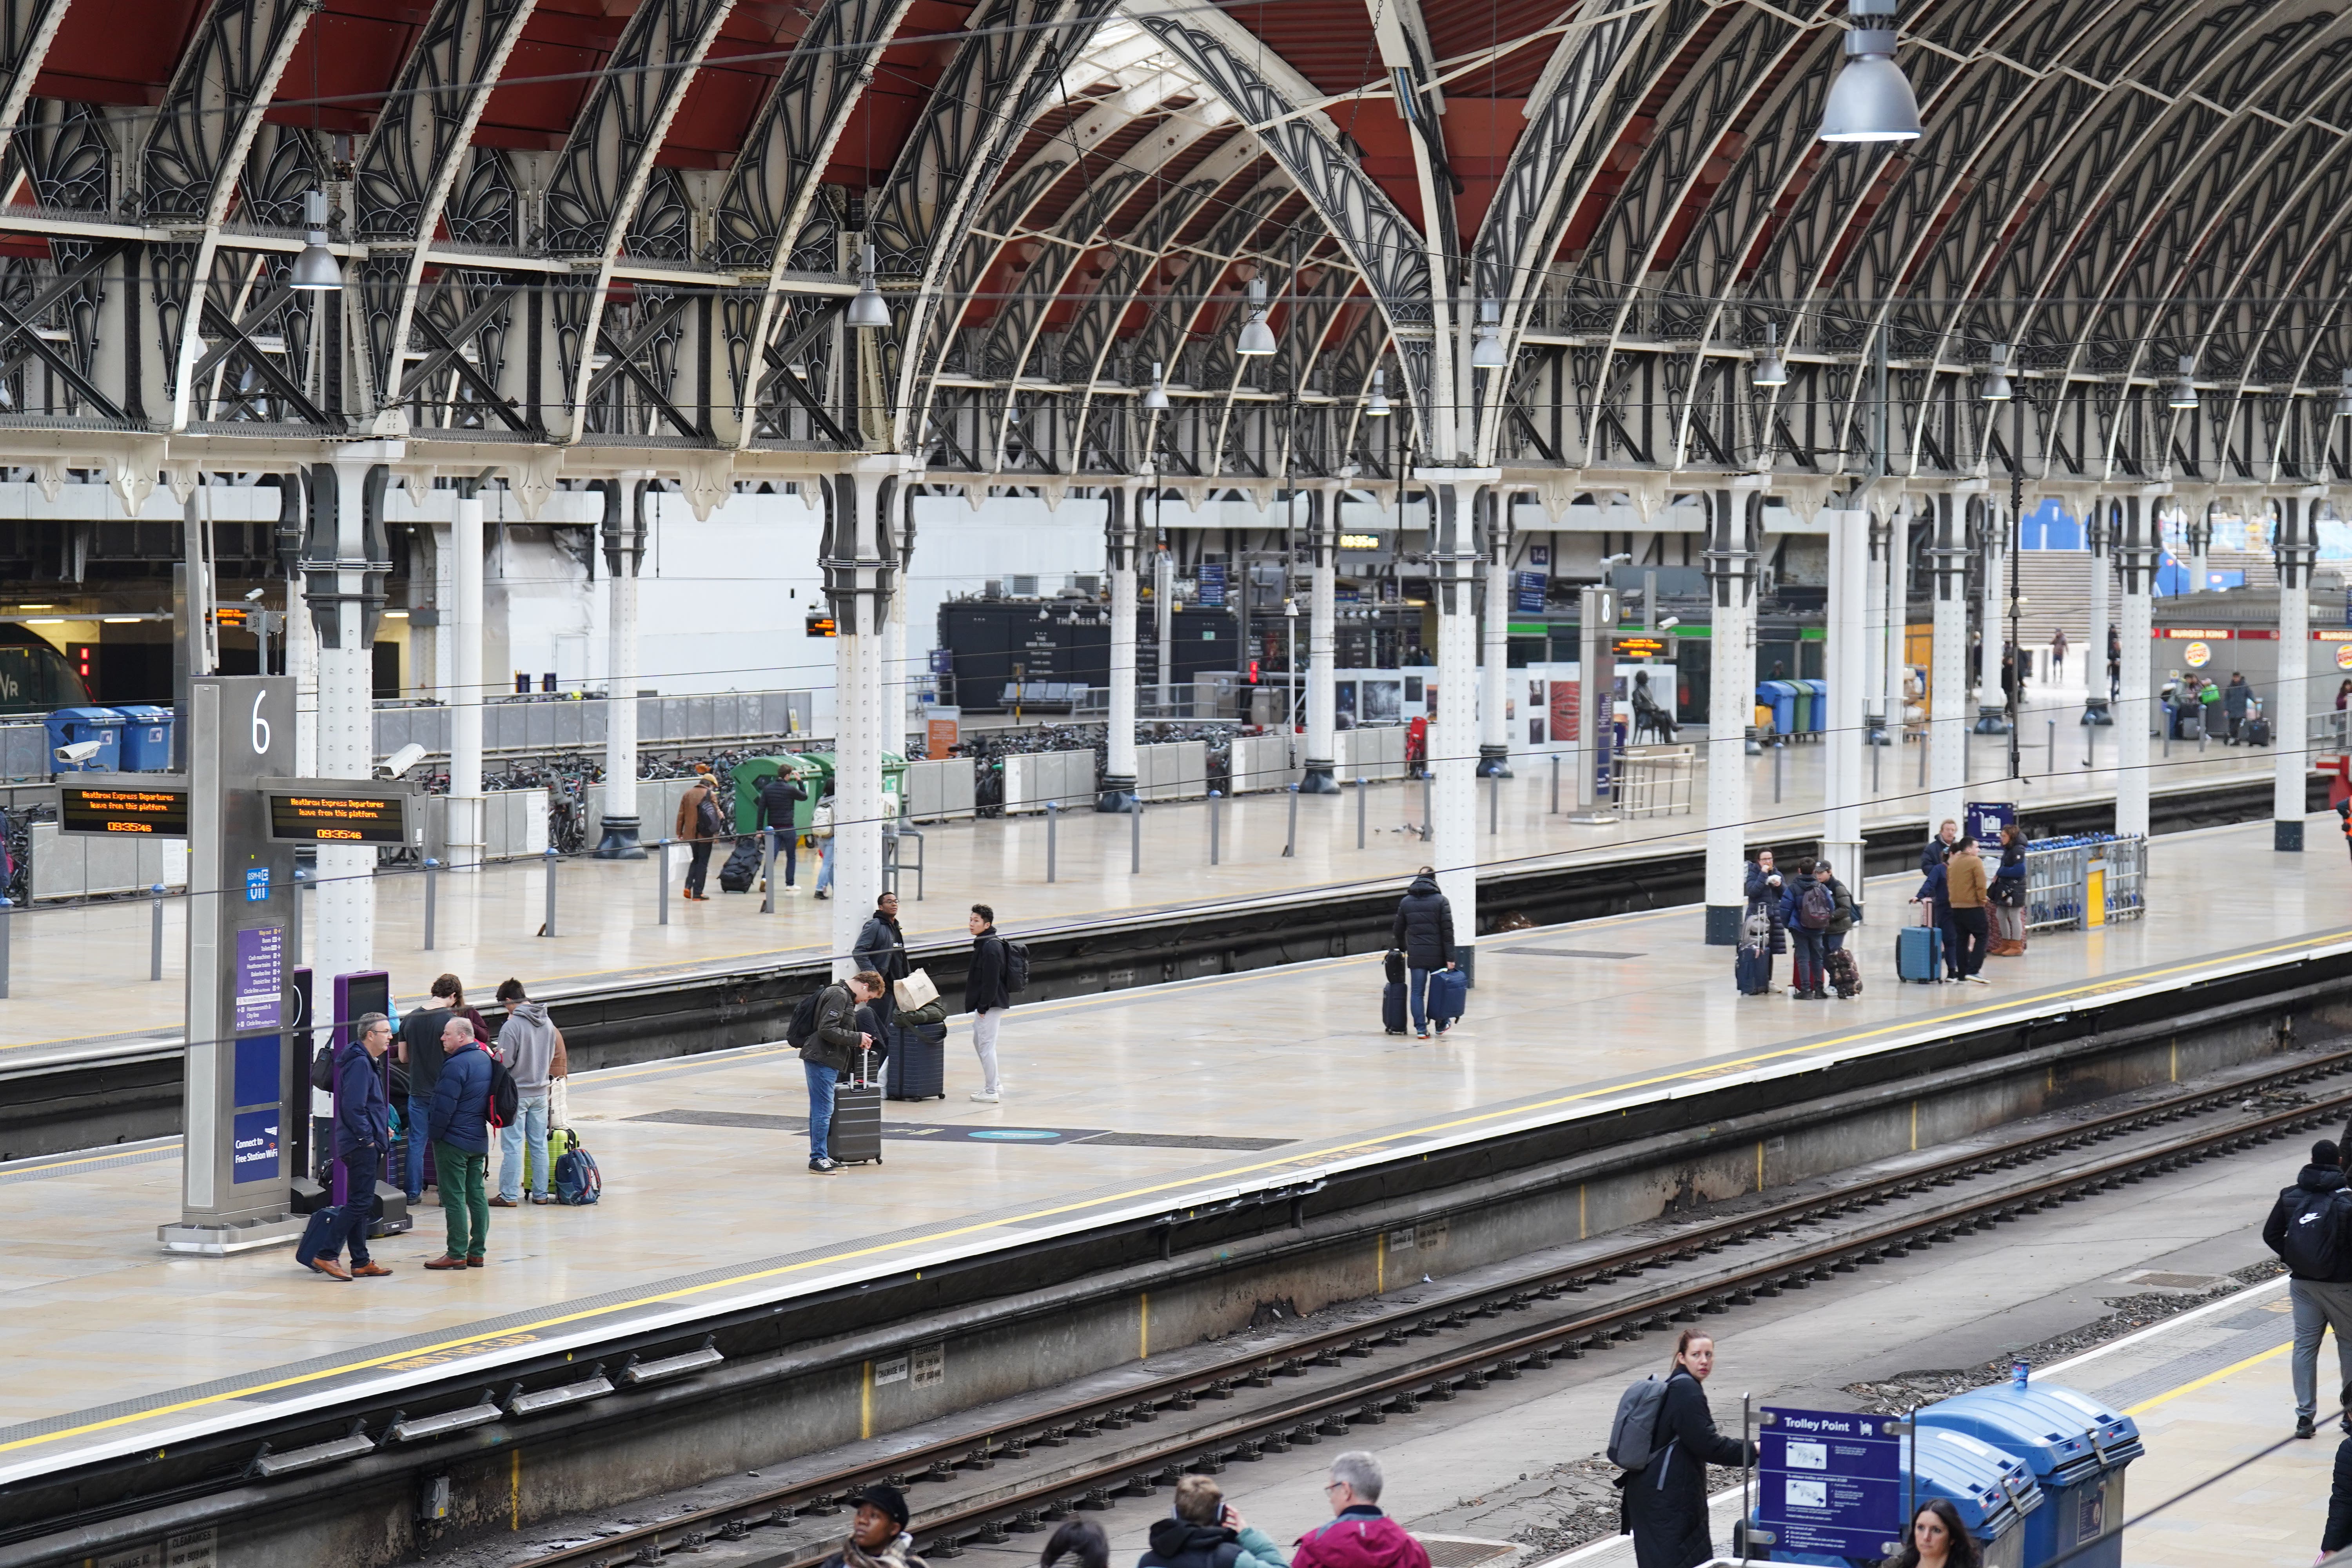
(260, 727)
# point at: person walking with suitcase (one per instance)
(362, 1139)
(832, 1046)
(698, 825)
(2234, 698)
(988, 986)
(1423, 931)
(780, 796)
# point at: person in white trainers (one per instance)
(987, 994)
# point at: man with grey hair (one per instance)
(1359, 1535)
(362, 1139)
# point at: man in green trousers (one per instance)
(459, 1129)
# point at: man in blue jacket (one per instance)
(459, 1130)
(362, 1139)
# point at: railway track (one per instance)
(989, 1482)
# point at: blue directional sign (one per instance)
(1211, 581)
(1529, 590)
(1832, 1482)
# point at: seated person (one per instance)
(1647, 710)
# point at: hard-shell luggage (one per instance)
(1919, 954)
(1449, 994)
(742, 868)
(855, 1134)
(1753, 971)
(917, 1068)
(1392, 1008)
(1845, 978)
(2258, 731)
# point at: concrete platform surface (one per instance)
(1275, 1075)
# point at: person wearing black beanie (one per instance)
(877, 1532)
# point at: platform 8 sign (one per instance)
(1832, 1482)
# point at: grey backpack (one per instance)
(1633, 1434)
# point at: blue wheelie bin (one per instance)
(1994, 1494)
(1781, 696)
(146, 738)
(1815, 715)
(68, 726)
(2077, 1449)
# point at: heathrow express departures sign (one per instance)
(116, 805)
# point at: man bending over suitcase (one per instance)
(832, 1049)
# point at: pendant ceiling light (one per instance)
(2343, 395)
(1487, 351)
(1155, 396)
(866, 309)
(1872, 98)
(316, 267)
(2184, 389)
(1257, 339)
(1996, 387)
(1376, 405)
(1770, 370)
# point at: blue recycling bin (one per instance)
(1994, 1494)
(2077, 1449)
(146, 738)
(70, 725)
(1815, 717)
(1781, 696)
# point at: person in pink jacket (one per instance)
(1359, 1535)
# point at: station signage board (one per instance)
(1641, 649)
(335, 811)
(116, 805)
(1832, 1482)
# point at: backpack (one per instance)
(2313, 1248)
(1756, 931)
(706, 816)
(1815, 908)
(803, 1028)
(578, 1182)
(503, 1101)
(1633, 1432)
(322, 1069)
(1016, 966)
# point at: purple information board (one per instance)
(260, 977)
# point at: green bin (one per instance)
(753, 772)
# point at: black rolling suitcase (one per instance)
(742, 868)
(1392, 994)
(855, 1135)
(918, 1067)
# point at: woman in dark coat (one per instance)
(1665, 1500)
(1765, 889)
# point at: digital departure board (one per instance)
(1645, 647)
(112, 810)
(337, 817)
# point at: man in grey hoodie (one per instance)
(531, 1047)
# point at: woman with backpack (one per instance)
(1665, 1497)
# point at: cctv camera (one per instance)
(401, 760)
(1622, 559)
(1670, 623)
(77, 753)
(255, 594)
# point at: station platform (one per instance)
(1118, 1104)
(79, 987)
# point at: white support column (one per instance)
(1948, 695)
(2135, 556)
(1493, 669)
(900, 525)
(1119, 561)
(626, 502)
(2199, 530)
(2293, 548)
(1163, 608)
(345, 560)
(1898, 615)
(1992, 706)
(1456, 499)
(462, 625)
(1322, 641)
(860, 576)
(1849, 596)
(1874, 624)
(1731, 700)
(2098, 533)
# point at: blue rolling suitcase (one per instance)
(1919, 954)
(1753, 969)
(917, 1066)
(1449, 994)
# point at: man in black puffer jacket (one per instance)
(2307, 1229)
(1425, 932)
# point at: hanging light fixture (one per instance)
(1376, 406)
(1770, 370)
(1257, 338)
(2343, 395)
(1996, 387)
(1155, 396)
(2184, 390)
(1487, 351)
(867, 311)
(1872, 98)
(316, 268)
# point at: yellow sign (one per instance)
(2197, 656)
(2344, 655)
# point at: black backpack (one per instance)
(803, 1028)
(503, 1103)
(1016, 967)
(2314, 1246)
(706, 816)
(322, 1069)
(1816, 909)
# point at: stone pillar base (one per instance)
(620, 840)
(1494, 761)
(1117, 795)
(1723, 923)
(1754, 748)
(2094, 711)
(1319, 779)
(2286, 837)
(1873, 731)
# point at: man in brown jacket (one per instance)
(1967, 883)
(698, 827)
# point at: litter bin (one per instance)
(68, 726)
(894, 778)
(753, 772)
(1781, 696)
(1812, 706)
(146, 738)
(2077, 1449)
(1994, 1494)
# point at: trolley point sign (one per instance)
(1832, 1482)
